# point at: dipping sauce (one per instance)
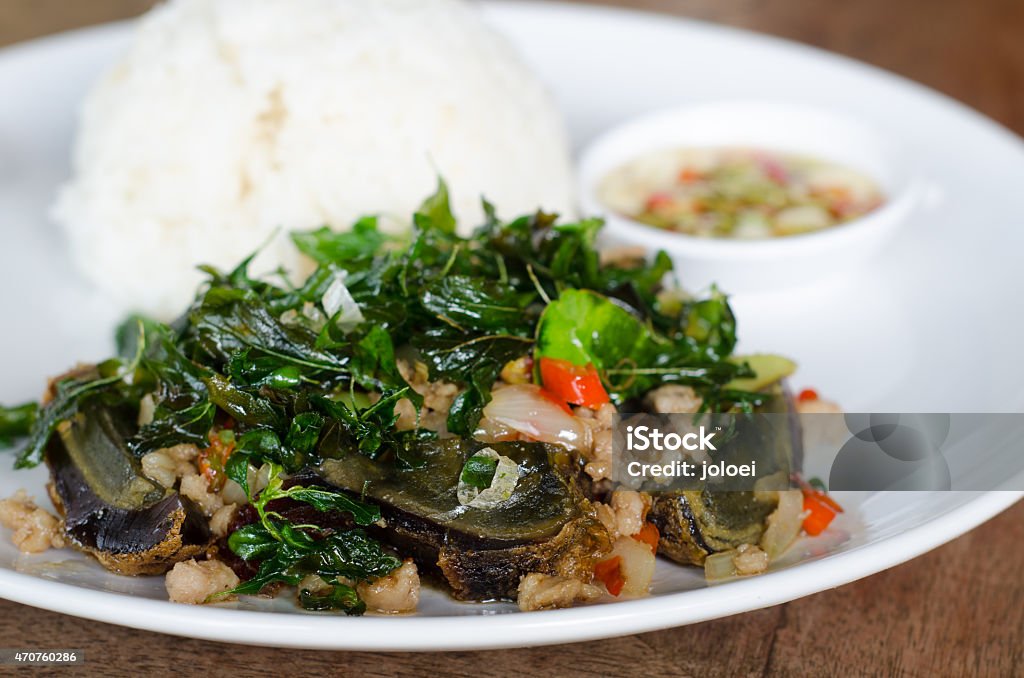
(737, 192)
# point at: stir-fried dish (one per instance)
(423, 406)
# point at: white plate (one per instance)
(931, 326)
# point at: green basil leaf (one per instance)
(253, 542)
(281, 566)
(479, 471)
(711, 325)
(371, 430)
(339, 597)
(228, 321)
(353, 555)
(287, 377)
(473, 363)
(16, 422)
(584, 327)
(481, 305)
(324, 500)
(264, 445)
(237, 468)
(243, 406)
(437, 211)
(326, 246)
(303, 434)
(261, 444)
(295, 538)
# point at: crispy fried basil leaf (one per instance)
(303, 434)
(237, 468)
(474, 363)
(338, 597)
(711, 326)
(263, 445)
(350, 554)
(325, 246)
(371, 430)
(437, 210)
(16, 422)
(353, 555)
(248, 369)
(325, 500)
(182, 411)
(229, 321)
(480, 305)
(280, 563)
(244, 406)
(374, 366)
(253, 542)
(260, 444)
(478, 471)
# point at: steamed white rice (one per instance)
(228, 119)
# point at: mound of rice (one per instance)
(228, 119)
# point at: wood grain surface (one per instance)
(958, 610)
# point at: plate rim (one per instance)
(405, 633)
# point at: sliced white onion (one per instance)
(232, 493)
(783, 524)
(489, 431)
(524, 408)
(743, 561)
(766, 488)
(719, 566)
(338, 298)
(147, 408)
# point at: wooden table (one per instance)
(958, 610)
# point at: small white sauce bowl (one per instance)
(748, 266)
